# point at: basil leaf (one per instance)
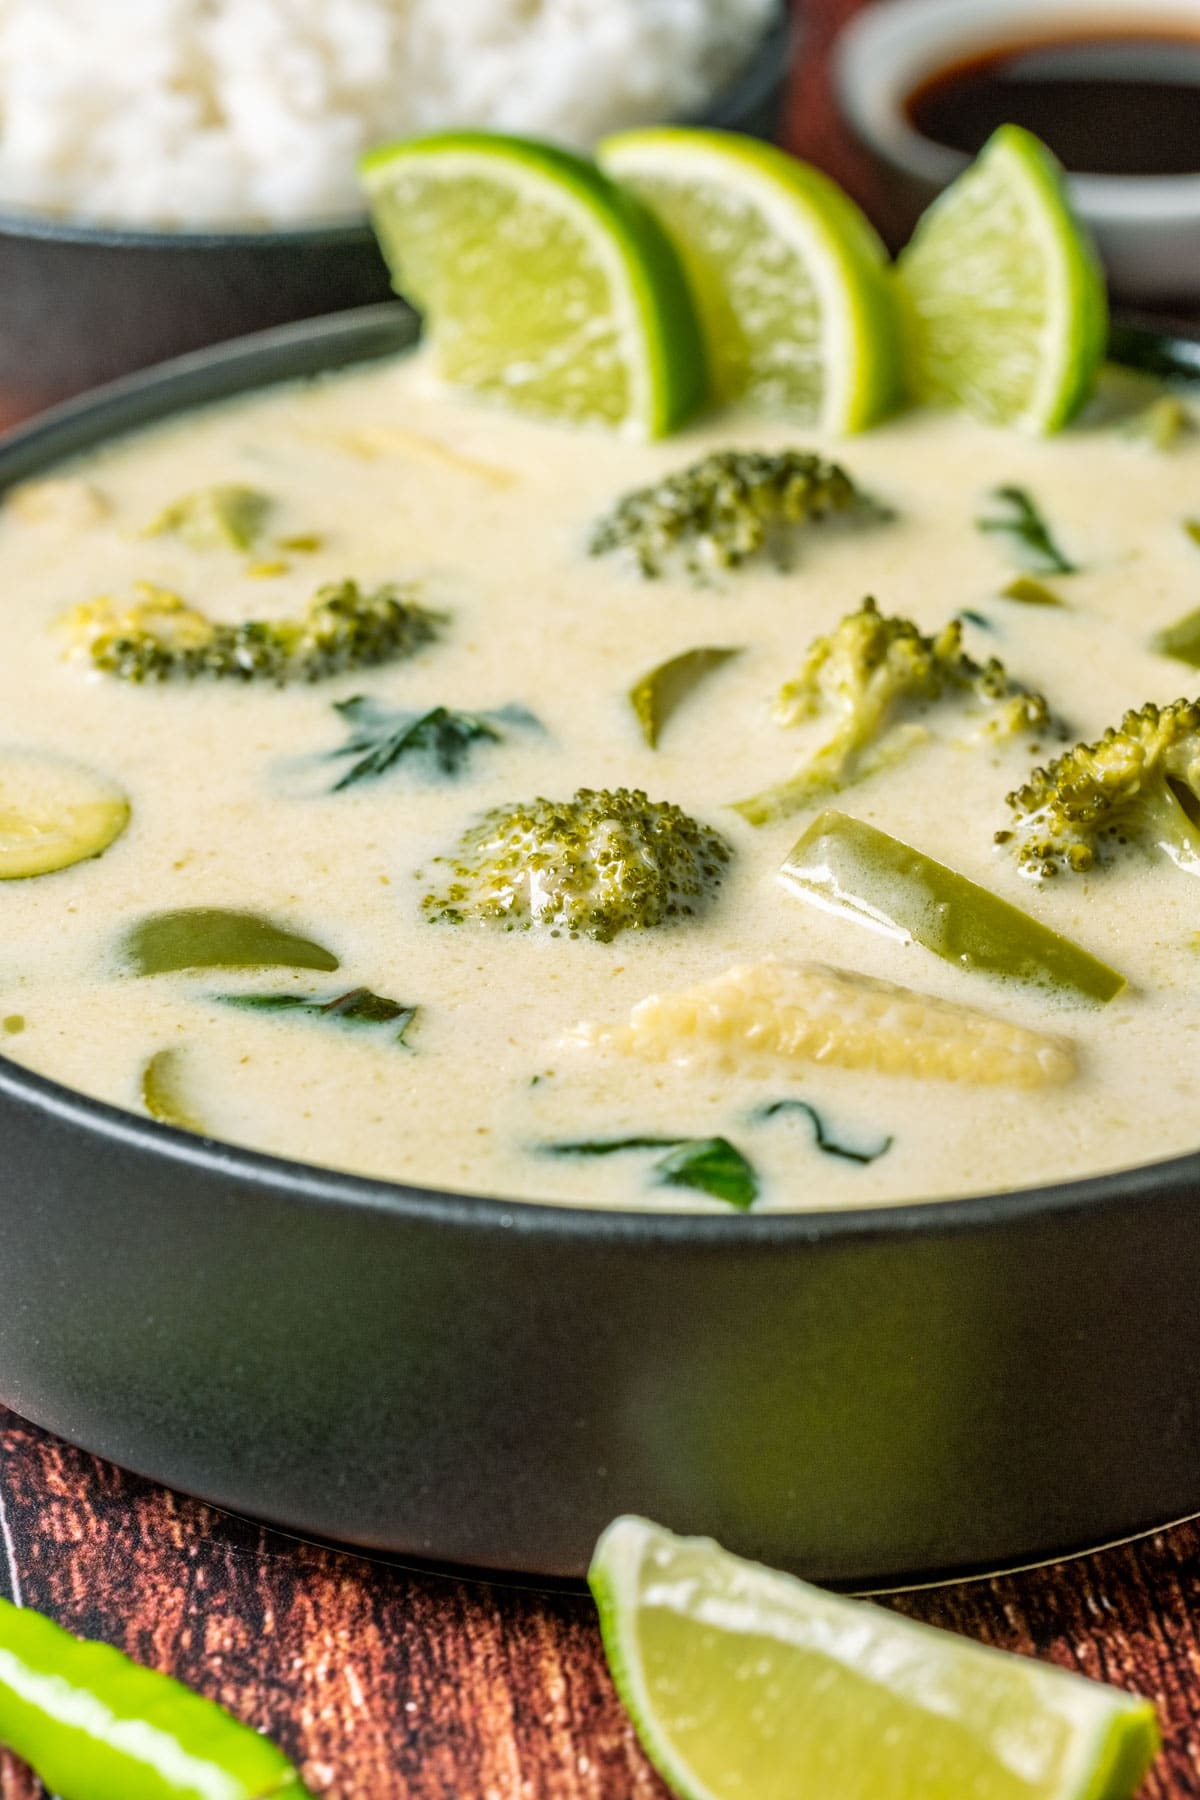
(711, 1166)
(360, 1007)
(1024, 524)
(441, 739)
(824, 1142)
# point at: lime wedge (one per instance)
(742, 1682)
(1004, 296)
(791, 280)
(544, 285)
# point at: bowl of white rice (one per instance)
(174, 172)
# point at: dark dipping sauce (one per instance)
(1107, 102)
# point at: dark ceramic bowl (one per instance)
(83, 304)
(868, 1397)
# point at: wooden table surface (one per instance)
(389, 1685)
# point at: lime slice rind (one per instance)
(790, 279)
(545, 286)
(741, 1681)
(1003, 293)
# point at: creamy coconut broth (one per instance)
(381, 477)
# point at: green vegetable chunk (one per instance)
(227, 516)
(1023, 524)
(211, 938)
(54, 812)
(95, 1726)
(725, 509)
(165, 1091)
(1180, 640)
(708, 1165)
(360, 1008)
(657, 695)
(853, 869)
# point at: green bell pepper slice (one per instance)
(660, 692)
(855, 870)
(205, 937)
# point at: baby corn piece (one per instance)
(773, 1013)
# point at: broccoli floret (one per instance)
(159, 637)
(603, 862)
(724, 509)
(1138, 785)
(869, 676)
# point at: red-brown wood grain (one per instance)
(386, 1684)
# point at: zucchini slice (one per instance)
(54, 812)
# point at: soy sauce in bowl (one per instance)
(1106, 101)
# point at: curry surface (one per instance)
(230, 790)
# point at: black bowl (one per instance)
(83, 304)
(868, 1397)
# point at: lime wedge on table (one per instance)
(1004, 296)
(748, 1685)
(791, 280)
(543, 284)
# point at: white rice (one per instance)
(193, 112)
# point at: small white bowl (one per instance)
(1147, 226)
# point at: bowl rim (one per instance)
(312, 348)
(746, 90)
(886, 50)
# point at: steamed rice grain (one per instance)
(250, 112)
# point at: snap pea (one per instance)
(853, 869)
(96, 1726)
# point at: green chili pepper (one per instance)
(655, 697)
(211, 938)
(96, 1726)
(852, 869)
